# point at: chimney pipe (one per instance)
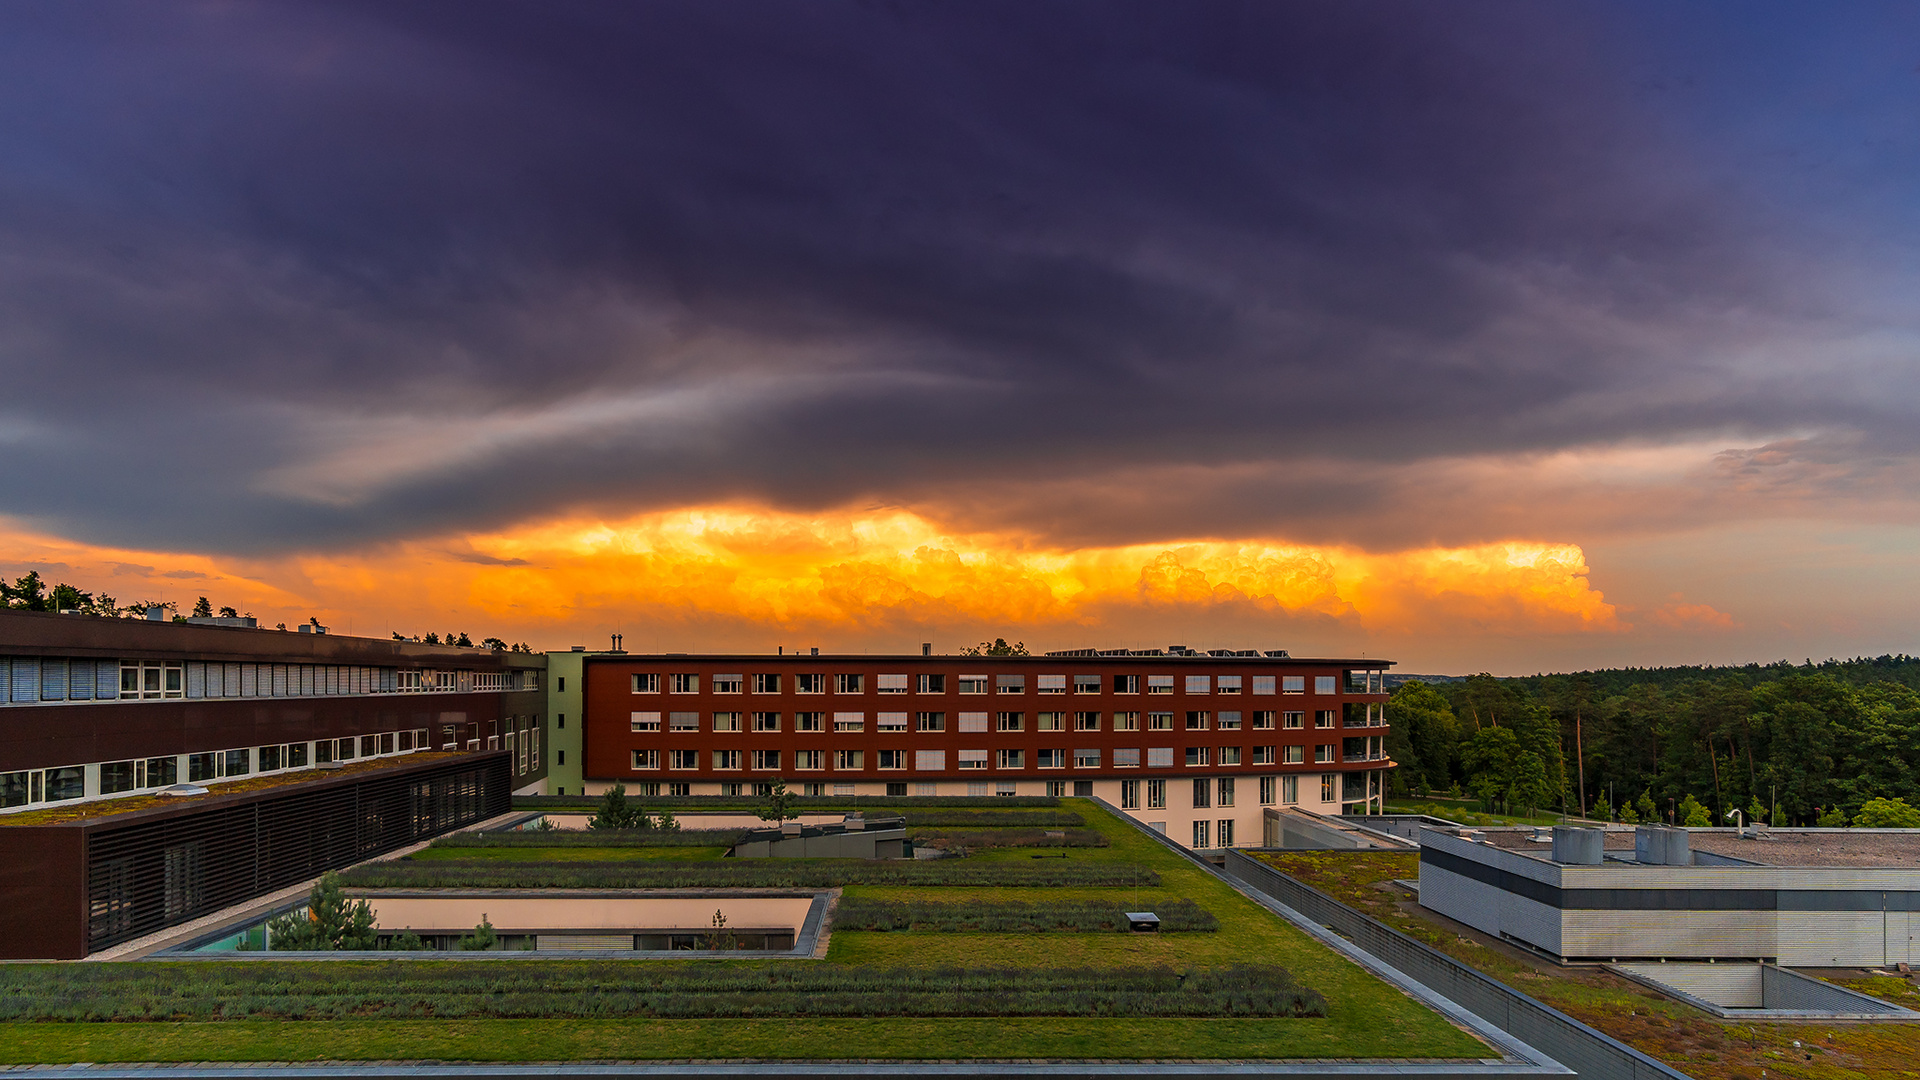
(816, 650)
(926, 648)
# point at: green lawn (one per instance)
(1366, 1018)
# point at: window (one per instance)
(843, 789)
(1197, 755)
(117, 776)
(726, 759)
(1227, 721)
(1086, 684)
(1323, 718)
(1223, 831)
(1086, 759)
(1322, 754)
(1198, 684)
(896, 789)
(1263, 721)
(1160, 757)
(1289, 790)
(1226, 684)
(931, 721)
(890, 721)
(729, 789)
(726, 721)
(683, 684)
(973, 759)
(294, 758)
(1056, 789)
(809, 721)
(1009, 684)
(1159, 721)
(1159, 684)
(1052, 759)
(1266, 791)
(237, 763)
(925, 789)
(1156, 794)
(1293, 755)
(1129, 794)
(1196, 721)
(930, 760)
(1086, 721)
(809, 760)
(642, 684)
(932, 684)
(1326, 788)
(1126, 684)
(683, 721)
(683, 759)
(809, 683)
(1324, 684)
(766, 760)
(849, 684)
(1263, 755)
(1263, 684)
(1200, 834)
(972, 722)
(729, 684)
(1009, 721)
(269, 758)
(1293, 684)
(1050, 721)
(849, 760)
(849, 721)
(1010, 759)
(977, 787)
(1126, 758)
(1004, 787)
(1126, 721)
(766, 721)
(766, 684)
(891, 684)
(1293, 720)
(679, 791)
(1051, 684)
(1224, 796)
(973, 684)
(646, 759)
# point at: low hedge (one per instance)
(806, 802)
(592, 838)
(534, 988)
(1012, 916)
(993, 838)
(742, 873)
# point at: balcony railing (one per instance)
(1350, 758)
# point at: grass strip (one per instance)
(1011, 916)
(592, 838)
(974, 838)
(349, 989)
(731, 873)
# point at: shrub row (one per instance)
(1011, 916)
(973, 838)
(806, 802)
(347, 989)
(592, 838)
(749, 873)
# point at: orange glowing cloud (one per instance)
(1680, 615)
(735, 577)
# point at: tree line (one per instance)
(1830, 744)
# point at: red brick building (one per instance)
(1196, 744)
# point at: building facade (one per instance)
(99, 708)
(1194, 744)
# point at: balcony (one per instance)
(1351, 758)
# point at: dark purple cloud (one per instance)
(317, 275)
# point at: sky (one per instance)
(1483, 336)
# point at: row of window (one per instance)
(970, 722)
(29, 787)
(33, 679)
(1284, 790)
(818, 683)
(1002, 759)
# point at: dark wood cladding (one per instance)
(609, 701)
(76, 887)
(34, 633)
(57, 734)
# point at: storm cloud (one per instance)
(306, 277)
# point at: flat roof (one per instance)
(1774, 847)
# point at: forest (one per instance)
(1833, 743)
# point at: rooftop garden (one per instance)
(1011, 951)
